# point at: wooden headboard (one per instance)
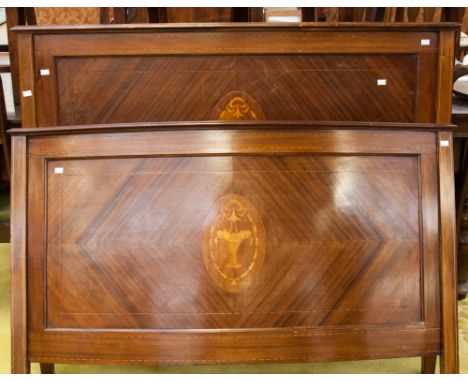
(395, 72)
(201, 243)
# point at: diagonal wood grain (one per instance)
(332, 250)
(286, 87)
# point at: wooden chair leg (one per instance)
(428, 364)
(47, 368)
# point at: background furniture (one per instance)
(4, 137)
(205, 14)
(460, 118)
(49, 16)
(385, 14)
(303, 241)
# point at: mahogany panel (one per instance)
(252, 243)
(286, 87)
(325, 255)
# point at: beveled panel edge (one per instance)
(229, 125)
(135, 28)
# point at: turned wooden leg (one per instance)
(428, 364)
(47, 368)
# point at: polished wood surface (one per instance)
(185, 294)
(27, 76)
(86, 81)
(253, 242)
(19, 325)
(445, 77)
(448, 256)
(211, 72)
(177, 72)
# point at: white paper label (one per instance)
(425, 42)
(58, 170)
(381, 82)
(27, 93)
(444, 143)
(45, 72)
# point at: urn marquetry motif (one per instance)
(233, 243)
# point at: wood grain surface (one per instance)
(19, 310)
(192, 72)
(285, 87)
(117, 271)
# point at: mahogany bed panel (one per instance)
(396, 72)
(183, 243)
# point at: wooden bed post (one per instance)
(448, 274)
(19, 328)
(446, 189)
(27, 82)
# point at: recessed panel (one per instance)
(233, 242)
(360, 87)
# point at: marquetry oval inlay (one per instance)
(233, 243)
(238, 105)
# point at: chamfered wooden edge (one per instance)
(448, 260)
(230, 125)
(312, 26)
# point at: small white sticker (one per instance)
(444, 143)
(45, 72)
(381, 82)
(425, 42)
(58, 170)
(27, 93)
